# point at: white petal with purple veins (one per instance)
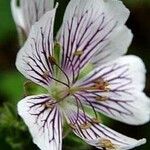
(33, 59)
(29, 11)
(87, 28)
(117, 46)
(43, 120)
(123, 99)
(97, 134)
(33, 10)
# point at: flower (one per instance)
(29, 12)
(92, 34)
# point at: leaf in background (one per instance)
(11, 86)
(7, 25)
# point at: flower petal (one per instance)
(43, 122)
(88, 27)
(17, 14)
(33, 59)
(29, 12)
(118, 46)
(97, 134)
(122, 98)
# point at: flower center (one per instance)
(61, 87)
(59, 91)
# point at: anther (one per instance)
(78, 53)
(72, 126)
(46, 74)
(101, 98)
(49, 104)
(85, 125)
(95, 120)
(107, 144)
(52, 60)
(101, 85)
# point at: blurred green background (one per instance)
(13, 132)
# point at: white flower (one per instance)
(93, 32)
(29, 12)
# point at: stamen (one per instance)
(52, 60)
(101, 85)
(95, 120)
(101, 98)
(49, 105)
(78, 52)
(107, 144)
(73, 126)
(98, 85)
(91, 105)
(82, 107)
(85, 125)
(77, 117)
(46, 74)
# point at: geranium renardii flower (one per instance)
(28, 12)
(93, 33)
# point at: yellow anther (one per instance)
(95, 120)
(107, 144)
(85, 126)
(101, 98)
(72, 126)
(46, 74)
(78, 53)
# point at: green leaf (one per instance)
(11, 86)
